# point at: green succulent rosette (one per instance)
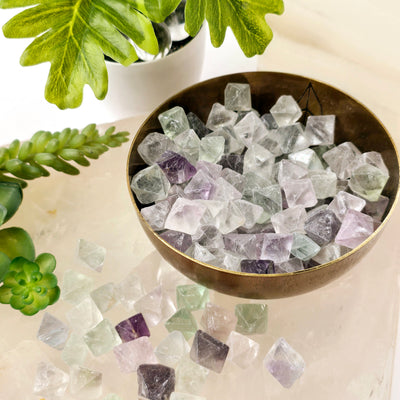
(30, 286)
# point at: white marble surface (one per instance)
(352, 45)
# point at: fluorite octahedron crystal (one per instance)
(155, 381)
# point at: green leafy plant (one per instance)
(28, 283)
(74, 35)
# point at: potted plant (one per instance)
(74, 36)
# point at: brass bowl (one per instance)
(354, 123)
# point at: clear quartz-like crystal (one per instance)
(84, 316)
(243, 351)
(292, 138)
(50, 381)
(322, 226)
(259, 160)
(155, 382)
(156, 214)
(291, 265)
(53, 332)
(340, 159)
(92, 254)
(211, 170)
(211, 148)
(299, 192)
(284, 363)
(155, 306)
(129, 290)
(234, 178)
(269, 121)
(132, 328)
(251, 318)
(150, 184)
(197, 125)
(209, 237)
(290, 220)
(220, 117)
(85, 384)
(376, 209)
(201, 186)
(328, 253)
(250, 129)
(193, 297)
(174, 121)
(232, 145)
(324, 183)
(172, 348)
(247, 245)
(218, 321)
(276, 247)
(308, 158)
(182, 321)
(200, 253)
(232, 162)
(303, 247)
(208, 351)
(75, 286)
(102, 338)
(176, 168)
(190, 377)
(288, 170)
(286, 111)
(131, 354)
(181, 241)
(189, 145)
(356, 227)
(237, 97)
(153, 146)
(320, 129)
(185, 216)
(344, 201)
(104, 297)
(75, 350)
(251, 212)
(368, 181)
(225, 191)
(229, 218)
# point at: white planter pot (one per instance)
(141, 87)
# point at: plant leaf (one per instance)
(10, 198)
(46, 262)
(156, 10)
(245, 17)
(16, 242)
(4, 265)
(73, 35)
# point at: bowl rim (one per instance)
(277, 275)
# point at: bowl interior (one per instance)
(354, 123)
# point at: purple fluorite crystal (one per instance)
(176, 167)
(232, 161)
(257, 266)
(132, 328)
(322, 226)
(181, 241)
(155, 381)
(208, 351)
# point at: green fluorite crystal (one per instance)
(303, 247)
(251, 318)
(192, 297)
(182, 321)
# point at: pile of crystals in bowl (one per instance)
(258, 194)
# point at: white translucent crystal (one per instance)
(292, 138)
(344, 201)
(286, 111)
(129, 290)
(251, 212)
(328, 253)
(290, 170)
(250, 129)
(290, 220)
(291, 265)
(229, 218)
(211, 148)
(324, 183)
(189, 145)
(53, 332)
(92, 254)
(75, 350)
(156, 214)
(237, 97)
(50, 381)
(209, 237)
(284, 363)
(234, 178)
(174, 121)
(190, 377)
(303, 247)
(224, 191)
(150, 184)
(340, 159)
(272, 142)
(320, 129)
(185, 216)
(102, 338)
(201, 186)
(276, 247)
(219, 117)
(231, 143)
(259, 160)
(218, 321)
(242, 350)
(104, 297)
(155, 306)
(172, 348)
(75, 286)
(85, 384)
(200, 253)
(84, 316)
(299, 192)
(153, 146)
(308, 158)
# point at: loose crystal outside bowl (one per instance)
(354, 123)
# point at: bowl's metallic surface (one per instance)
(354, 123)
